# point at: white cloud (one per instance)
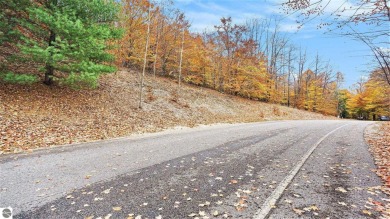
(289, 27)
(345, 8)
(273, 9)
(211, 13)
(214, 7)
(201, 21)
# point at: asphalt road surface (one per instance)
(284, 169)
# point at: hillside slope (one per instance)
(40, 116)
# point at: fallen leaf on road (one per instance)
(368, 207)
(204, 204)
(311, 208)
(246, 191)
(341, 189)
(106, 191)
(367, 212)
(342, 203)
(377, 203)
(116, 208)
(298, 211)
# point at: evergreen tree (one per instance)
(70, 36)
(11, 13)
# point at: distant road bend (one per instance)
(282, 169)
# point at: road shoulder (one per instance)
(377, 136)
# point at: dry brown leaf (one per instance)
(367, 212)
(116, 208)
(341, 189)
(233, 181)
(298, 211)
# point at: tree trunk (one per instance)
(156, 51)
(181, 55)
(288, 88)
(49, 65)
(145, 59)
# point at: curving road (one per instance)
(284, 169)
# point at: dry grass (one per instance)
(40, 116)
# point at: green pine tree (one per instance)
(11, 14)
(70, 36)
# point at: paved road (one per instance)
(285, 169)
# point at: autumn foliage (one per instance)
(254, 59)
(370, 98)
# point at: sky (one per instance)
(351, 57)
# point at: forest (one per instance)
(73, 42)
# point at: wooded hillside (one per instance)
(72, 43)
(40, 116)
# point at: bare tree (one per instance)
(158, 31)
(290, 68)
(298, 78)
(184, 24)
(317, 69)
(345, 14)
(382, 55)
(142, 76)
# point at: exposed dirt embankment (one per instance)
(40, 116)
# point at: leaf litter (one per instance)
(39, 116)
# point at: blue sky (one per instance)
(346, 55)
